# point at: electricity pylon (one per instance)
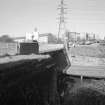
(62, 24)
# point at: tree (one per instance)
(52, 38)
(6, 38)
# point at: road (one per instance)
(88, 71)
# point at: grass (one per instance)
(92, 93)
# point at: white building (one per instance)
(28, 37)
(32, 36)
(35, 35)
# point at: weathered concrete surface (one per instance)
(85, 60)
(17, 58)
(87, 66)
(87, 71)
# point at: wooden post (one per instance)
(81, 78)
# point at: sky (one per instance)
(20, 16)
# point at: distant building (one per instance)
(32, 36)
(43, 38)
(73, 36)
(47, 38)
(91, 36)
(19, 39)
(35, 35)
(28, 37)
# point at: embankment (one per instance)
(28, 81)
